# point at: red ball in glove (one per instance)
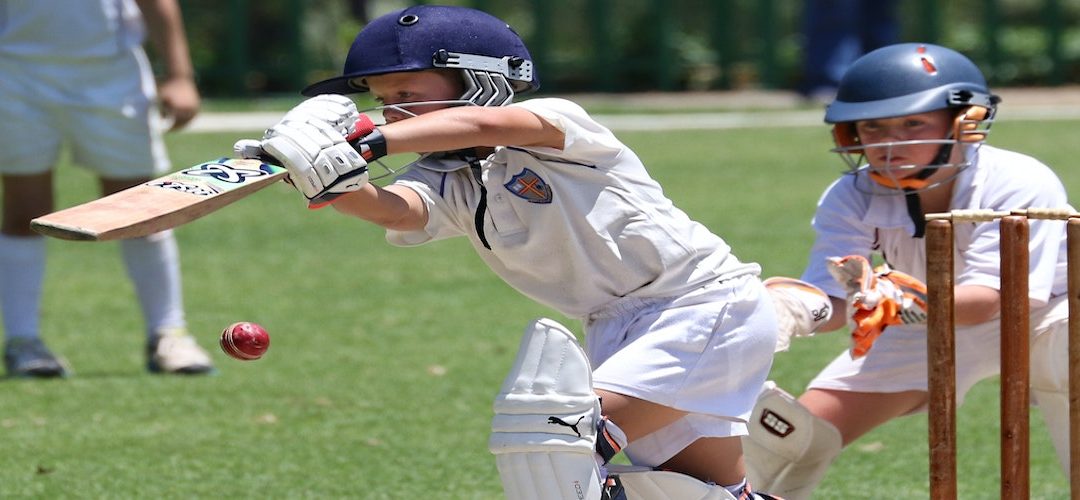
(245, 341)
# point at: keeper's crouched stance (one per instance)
(552, 442)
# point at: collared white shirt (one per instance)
(575, 229)
(851, 222)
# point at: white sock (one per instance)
(153, 264)
(22, 272)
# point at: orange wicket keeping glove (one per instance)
(877, 298)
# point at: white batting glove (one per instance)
(249, 149)
(335, 110)
(877, 298)
(800, 308)
(321, 164)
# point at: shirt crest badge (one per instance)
(530, 187)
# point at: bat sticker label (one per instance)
(164, 203)
(183, 187)
(223, 173)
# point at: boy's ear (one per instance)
(844, 136)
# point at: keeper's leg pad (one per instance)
(1050, 379)
(789, 449)
(1054, 407)
(544, 430)
(644, 483)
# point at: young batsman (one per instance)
(678, 333)
(910, 120)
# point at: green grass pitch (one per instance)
(384, 361)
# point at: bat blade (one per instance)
(160, 204)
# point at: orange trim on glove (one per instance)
(870, 323)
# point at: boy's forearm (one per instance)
(390, 208)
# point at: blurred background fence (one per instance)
(247, 48)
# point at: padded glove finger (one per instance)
(297, 155)
(853, 272)
(248, 149)
(336, 110)
(908, 292)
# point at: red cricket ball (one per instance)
(245, 341)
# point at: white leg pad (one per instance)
(643, 483)
(789, 449)
(544, 430)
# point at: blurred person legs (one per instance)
(835, 33)
(152, 264)
(88, 89)
(22, 272)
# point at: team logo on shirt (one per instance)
(530, 186)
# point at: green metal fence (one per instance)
(245, 47)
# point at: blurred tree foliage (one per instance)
(247, 47)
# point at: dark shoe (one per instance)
(30, 358)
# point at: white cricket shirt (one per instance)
(851, 222)
(574, 229)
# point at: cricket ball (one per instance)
(245, 341)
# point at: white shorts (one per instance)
(897, 361)
(101, 109)
(707, 353)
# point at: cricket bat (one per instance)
(160, 204)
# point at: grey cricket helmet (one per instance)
(906, 79)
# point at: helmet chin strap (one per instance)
(913, 185)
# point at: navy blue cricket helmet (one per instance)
(906, 79)
(494, 60)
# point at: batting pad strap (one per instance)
(544, 430)
(610, 439)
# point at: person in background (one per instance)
(835, 33)
(76, 76)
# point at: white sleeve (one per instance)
(1039, 187)
(839, 232)
(441, 193)
(587, 141)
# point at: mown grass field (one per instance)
(383, 363)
